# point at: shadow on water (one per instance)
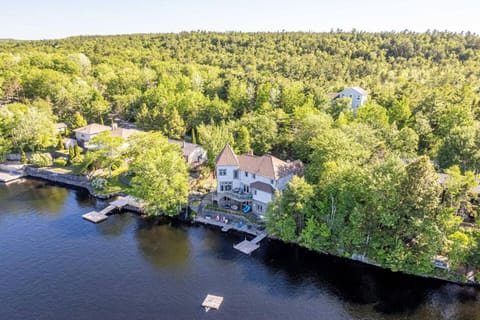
(354, 282)
(117, 224)
(162, 245)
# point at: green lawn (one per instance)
(60, 169)
(114, 184)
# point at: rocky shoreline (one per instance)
(70, 180)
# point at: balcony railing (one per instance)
(237, 195)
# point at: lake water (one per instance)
(55, 265)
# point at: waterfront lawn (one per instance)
(114, 183)
(59, 169)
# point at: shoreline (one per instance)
(81, 182)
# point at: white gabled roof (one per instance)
(93, 129)
(360, 90)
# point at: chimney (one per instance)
(250, 152)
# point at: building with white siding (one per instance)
(248, 180)
(358, 95)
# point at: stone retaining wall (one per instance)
(64, 178)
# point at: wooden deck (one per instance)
(227, 226)
(97, 217)
(248, 246)
(212, 302)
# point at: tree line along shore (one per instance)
(390, 183)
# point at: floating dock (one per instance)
(97, 217)
(212, 302)
(248, 246)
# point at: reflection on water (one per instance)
(54, 263)
(116, 227)
(163, 246)
(48, 201)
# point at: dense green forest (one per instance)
(370, 185)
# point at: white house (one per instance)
(193, 153)
(67, 143)
(85, 134)
(358, 95)
(61, 127)
(249, 180)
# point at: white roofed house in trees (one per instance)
(248, 182)
(85, 134)
(357, 94)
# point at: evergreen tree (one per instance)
(23, 157)
(78, 121)
(60, 142)
(77, 150)
(194, 136)
(71, 153)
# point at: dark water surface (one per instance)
(55, 265)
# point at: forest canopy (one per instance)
(371, 186)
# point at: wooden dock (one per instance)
(97, 217)
(227, 226)
(248, 246)
(212, 302)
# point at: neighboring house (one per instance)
(61, 127)
(124, 133)
(249, 181)
(358, 95)
(443, 179)
(85, 134)
(67, 142)
(194, 154)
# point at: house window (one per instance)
(255, 192)
(222, 172)
(225, 186)
(358, 98)
(350, 96)
(254, 175)
(271, 182)
(259, 208)
(246, 174)
(235, 174)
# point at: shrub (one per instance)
(23, 157)
(41, 159)
(60, 162)
(99, 183)
(117, 164)
(77, 151)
